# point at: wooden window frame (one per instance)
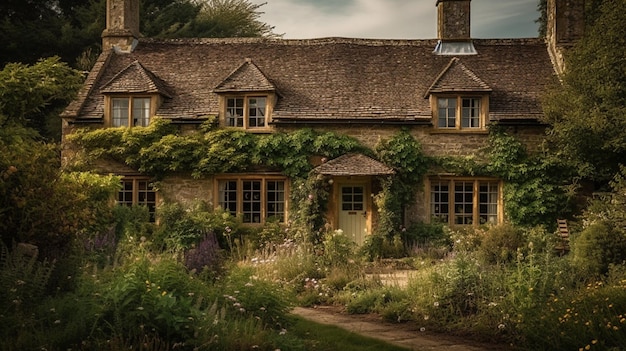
(459, 108)
(109, 106)
(135, 191)
(236, 206)
(481, 206)
(246, 117)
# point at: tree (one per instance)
(33, 95)
(71, 29)
(587, 110)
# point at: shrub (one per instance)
(598, 246)
(500, 244)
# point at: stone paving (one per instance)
(403, 335)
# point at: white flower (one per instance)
(501, 326)
(436, 304)
(422, 329)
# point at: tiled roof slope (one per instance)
(136, 79)
(457, 78)
(333, 78)
(353, 165)
(247, 77)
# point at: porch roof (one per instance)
(354, 165)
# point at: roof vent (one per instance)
(453, 28)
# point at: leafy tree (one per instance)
(587, 111)
(71, 29)
(32, 96)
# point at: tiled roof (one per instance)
(247, 77)
(457, 78)
(136, 79)
(353, 165)
(331, 79)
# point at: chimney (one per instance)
(453, 28)
(122, 25)
(566, 25)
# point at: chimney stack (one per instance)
(122, 25)
(453, 28)
(566, 25)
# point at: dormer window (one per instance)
(247, 98)
(247, 112)
(130, 111)
(460, 113)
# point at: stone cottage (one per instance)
(444, 91)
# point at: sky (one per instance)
(393, 19)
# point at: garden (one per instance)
(201, 280)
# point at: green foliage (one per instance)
(159, 149)
(599, 246)
(33, 95)
(246, 294)
(33, 191)
(586, 110)
(181, 227)
(500, 244)
(404, 153)
(535, 191)
(338, 249)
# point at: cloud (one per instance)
(392, 19)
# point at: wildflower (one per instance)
(20, 282)
(436, 304)
(501, 326)
(283, 331)
(426, 317)
(58, 321)
(422, 329)
(140, 308)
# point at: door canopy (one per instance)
(354, 165)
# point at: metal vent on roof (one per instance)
(455, 48)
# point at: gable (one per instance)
(134, 79)
(245, 78)
(456, 77)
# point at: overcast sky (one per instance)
(393, 19)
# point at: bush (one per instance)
(500, 244)
(598, 246)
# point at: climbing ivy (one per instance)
(404, 153)
(161, 148)
(535, 190)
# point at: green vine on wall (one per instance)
(161, 148)
(535, 190)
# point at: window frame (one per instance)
(459, 110)
(486, 203)
(246, 108)
(136, 193)
(110, 107)
(237, 206)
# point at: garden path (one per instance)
(403, 335)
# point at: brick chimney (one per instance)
(566, 25)
(122, 25)
(453, 28)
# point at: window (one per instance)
(255, 199)
(465, 201)
(247, 112)
(460, 113)
(130, 111)
(136, 191)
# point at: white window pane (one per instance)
(119, 112)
